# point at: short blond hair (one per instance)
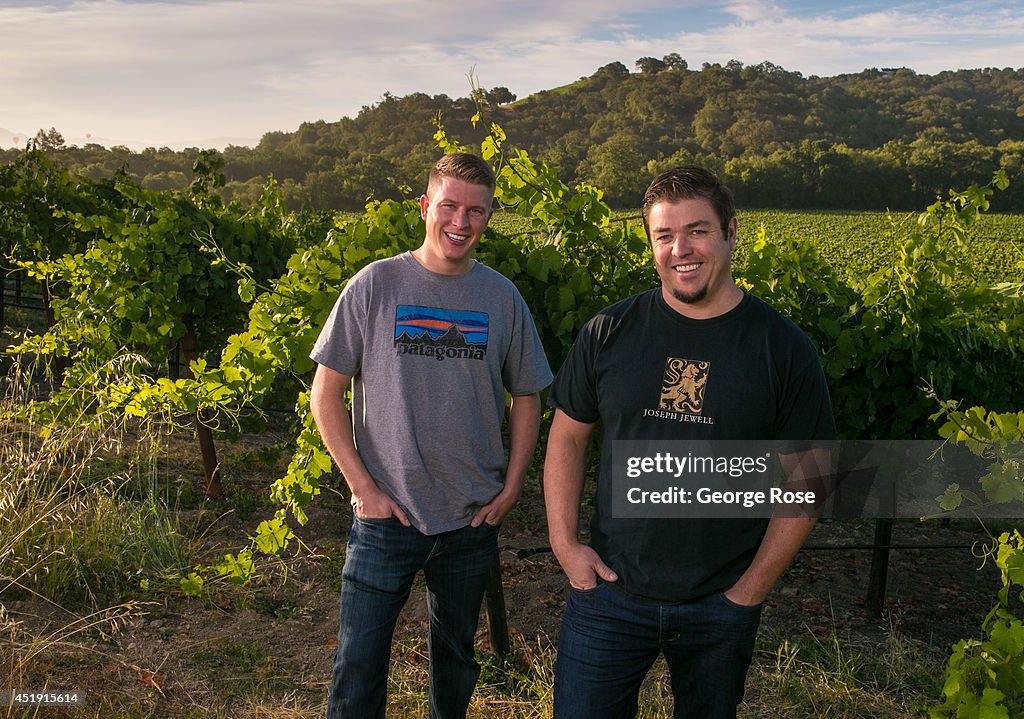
(462, 166)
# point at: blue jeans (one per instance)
(381, 562)
(609, 641)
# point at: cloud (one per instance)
(175, 73)
(836, 41)
(176, 66)
(926, 37)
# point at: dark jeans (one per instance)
(609, 641)
(381, 562)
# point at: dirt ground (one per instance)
(179, 652)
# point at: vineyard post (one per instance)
(59, 363)
(211, 469)
(497, 619)
(879, 567)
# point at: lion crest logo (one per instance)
(682, 390)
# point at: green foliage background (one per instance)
(912, 315)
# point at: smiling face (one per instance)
(693, 253)
(456, 213)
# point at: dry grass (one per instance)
(79, 533)
(84, 519)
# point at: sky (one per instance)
(206, 73)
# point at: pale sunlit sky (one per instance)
(180, 73)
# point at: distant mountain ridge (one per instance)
(880, 139)
(9, 138)
(18, 140)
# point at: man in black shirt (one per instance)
(694, 359)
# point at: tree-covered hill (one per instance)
(877, 139)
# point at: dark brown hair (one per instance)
(684, 183)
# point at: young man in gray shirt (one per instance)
(429, 341)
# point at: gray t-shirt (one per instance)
(431, 358)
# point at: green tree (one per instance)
(650, 65)
(48, 140)
(619, 165)
(673, 61)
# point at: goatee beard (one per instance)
(690, 298)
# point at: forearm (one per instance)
(524, 426)
(785, 534)
(523, 430)
(782, 540)
(327, 404)
(564, 470)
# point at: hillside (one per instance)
(877, 139)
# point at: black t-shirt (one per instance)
(646, 372)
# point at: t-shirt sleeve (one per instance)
(574, 390)
(806, 409)
(340, 344)
(525, 370)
